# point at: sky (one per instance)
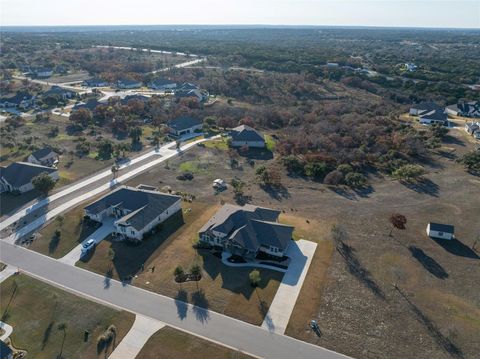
(391, 13)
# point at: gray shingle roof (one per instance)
(426, 106)
(245, 133)
(437, 115)
(43, 153)
(22, 173)
(144, 205)
(447, 228)
(250, 226)
(184, 122)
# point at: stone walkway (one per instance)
(301, 253)
(142, 329)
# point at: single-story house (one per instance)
(184, 125)
(17, 177)
(20, 99)
(137, 211)
(188, 86)
(410, 67)
(162, 84)
(246, 136)
(89, 105)
(44, 72)
(126, 99)
(423, 108)
(247, 231)
(465, 109)
(60, 92)
(472, 127)
(95, 82)
(434, 117)
(129, 84)
(195, 94)
(44, 156)
(441, 231)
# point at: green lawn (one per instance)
(196, 166)
(36, 311)
(73, 231)
(173, 344)
(220, 144)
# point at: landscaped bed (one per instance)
(50, 323)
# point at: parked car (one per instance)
(87, 246)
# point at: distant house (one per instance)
(246, 136)
(464, 109)
(410, 67)
(332, 64)
(44, 72)
(247, 231)
(129, 98)
(45, 157)
(195, 94)
(472, 127)
(162, 84)
(21, 100)
(136, 211)
(89, 105)
(184, 125)
(60, 92)
(441, 231)
(95, 82)
(434, 117)
(17, 177)
(129, 84)
(188, 86)
(423, 107)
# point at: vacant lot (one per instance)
(173, 344)
(434, 312)
(223, 289)
(50, 323)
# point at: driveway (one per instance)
(100, 234)
(301, 253)
(198, 321)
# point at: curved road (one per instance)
(198, 321)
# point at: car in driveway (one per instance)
(88, 246)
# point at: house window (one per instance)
(132, 232)
(440, 234)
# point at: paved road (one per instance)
(198, 321)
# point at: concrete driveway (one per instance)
(100, 234)
(301, 253)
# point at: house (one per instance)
(247, 231)
(188, 86)
(162, 84)
(128, 98)
(440, 231)
(410, 67)
(136, 211)
(476, 135)
(246, 136)
(434, 117)
(332, 64)
(472, 127)
(464, 109)
(129, 84)
(89, 105)
(423, 107)
(44, 72)
(95, 82)
(21, 100)
(195, 94)
(184, 125)
(59, 92)
(45, 157)
(17, 177)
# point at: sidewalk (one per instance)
(301, 253)
(142, 329)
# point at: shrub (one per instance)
(355, 180)
(254, 277)
(334, 178)
(345, 168)
(408, 172)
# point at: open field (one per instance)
(173, 344)
(351, 291)
(223, 289)
(50, 323)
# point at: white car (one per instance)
(87, 246)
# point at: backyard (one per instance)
(50, 323)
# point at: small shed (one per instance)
(440, 231)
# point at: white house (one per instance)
(423, 108)
(44, 72)
(184, 125)
(45, 157)
(472, 127)
(434, 117)
(440, 231)
(17, 177)
(246, 136)
(137, 211)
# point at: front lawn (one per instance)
(223, 289)
(175, 344)
(73, 231)
(50, 323)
